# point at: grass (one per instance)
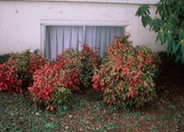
(84, 112)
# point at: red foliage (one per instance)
(44, 80)
(63, 73)
(87, 54)
(20, 68)
(8, 78)
(36, 63)
(70, 70)
(127, 73)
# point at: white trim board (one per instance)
(96, 1)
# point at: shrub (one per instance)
(48, 87)
(169, 25)
(126, 75)
(36, 62)
(90, 60)
(53, 83)
(26, 63)
(70, 65)
(9, 79)
(20, 67)
(85, 61)
(21, 62)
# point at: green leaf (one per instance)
(138, 12)
(162, 38)
(144, 12)
(181, 35)
(169, 37)
(144, 21)
(157, 38)
(175, 47)
(169, 48)
(156, 24)
(182, 53)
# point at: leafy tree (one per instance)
(169, 25)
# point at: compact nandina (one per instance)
(126, 75)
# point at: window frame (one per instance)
(44, 33)
(45, 23)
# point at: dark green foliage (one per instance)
(169, 26)
(4, 58)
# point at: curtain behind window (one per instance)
(59, 38)
(99, 37)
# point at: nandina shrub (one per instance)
(126, 75)
(9, 79)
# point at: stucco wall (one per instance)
(21, 22)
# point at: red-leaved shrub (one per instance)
(53, 83)
(90, 60)
(126, 75)
(46, 81)
(8, 78)
(36, 62)
(20, 66)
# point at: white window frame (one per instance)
(45, 23)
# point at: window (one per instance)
(59, 38)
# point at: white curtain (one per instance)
(59, 38)
(99, 37)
